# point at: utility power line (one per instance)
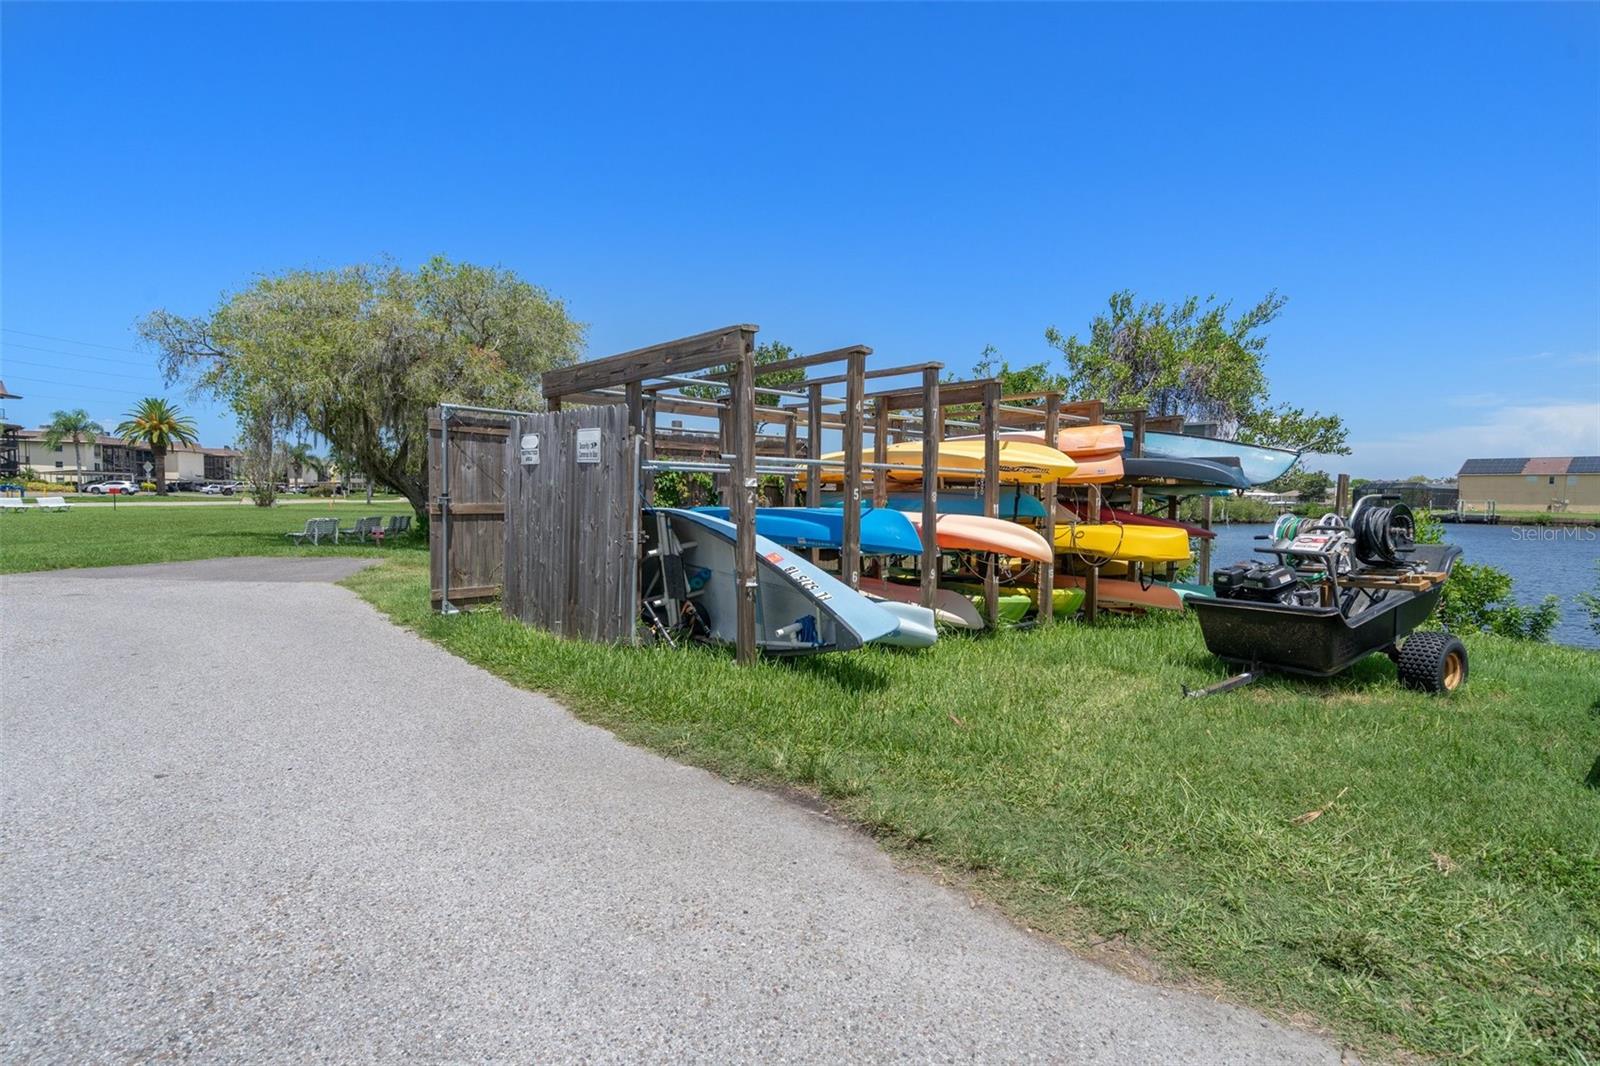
(90, 388)
(75, 355)
(96, 373)
(68, 340)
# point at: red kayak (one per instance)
(1112, 514)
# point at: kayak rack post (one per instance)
(991, 495)
(813, 450)
(789, 445)
(931, 435)
(744, 484)
(1047, 570)
(880, 452)
(850, 535)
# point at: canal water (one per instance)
(1542, 561)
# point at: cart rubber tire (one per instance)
(1433, 662)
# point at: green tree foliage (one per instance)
(1428, 529)
(75, 426)
(1193, 359)
(1034, 377)
(1014, 381)
(357, 355)
(1478, 597)
(1590, 601)
(679, 488)
(158, 425)
(1294, 428)
(1312, 485)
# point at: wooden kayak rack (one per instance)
(751, 421)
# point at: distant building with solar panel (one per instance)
(1563, 483)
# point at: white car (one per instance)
(103, 488)
(220, 488)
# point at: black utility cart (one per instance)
(1332, 592)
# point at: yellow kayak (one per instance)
(1133, 544)
(1098, 463)
(1021, 462)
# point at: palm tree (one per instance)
(301, 457)
(72, 425)
(157, 423)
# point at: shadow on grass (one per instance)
(843, 673)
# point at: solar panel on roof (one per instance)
(1493, 466)
(1585, 464)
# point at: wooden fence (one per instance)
(472, 471)
(572, 507)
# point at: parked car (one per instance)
(103, 488)
(221, 488)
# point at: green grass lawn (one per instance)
(98, 535)
(237, 500)
(1445, 901)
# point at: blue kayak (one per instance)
(884, 531)
(1259, 463)
(1013, 505)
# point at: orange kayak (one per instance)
(1096, 469)
(1118, 593)
(965, 532)
(1074, 440)
(1090, 440)
(1096, 449)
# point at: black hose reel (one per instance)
(1384, 530)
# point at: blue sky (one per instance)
(1422, 182)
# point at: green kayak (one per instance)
(1016, 601)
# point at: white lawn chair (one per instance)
(317, 529)
(51, 503)
(363, 528)
(14, 504)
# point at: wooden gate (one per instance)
(572, 512)
(470, 470)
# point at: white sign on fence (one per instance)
(530, 449)
(589, 445)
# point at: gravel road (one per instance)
(248, 820)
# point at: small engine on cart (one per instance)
(1256, 582)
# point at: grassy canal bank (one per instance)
(1415, 875)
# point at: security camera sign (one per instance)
(530, 449)
(589, 445)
